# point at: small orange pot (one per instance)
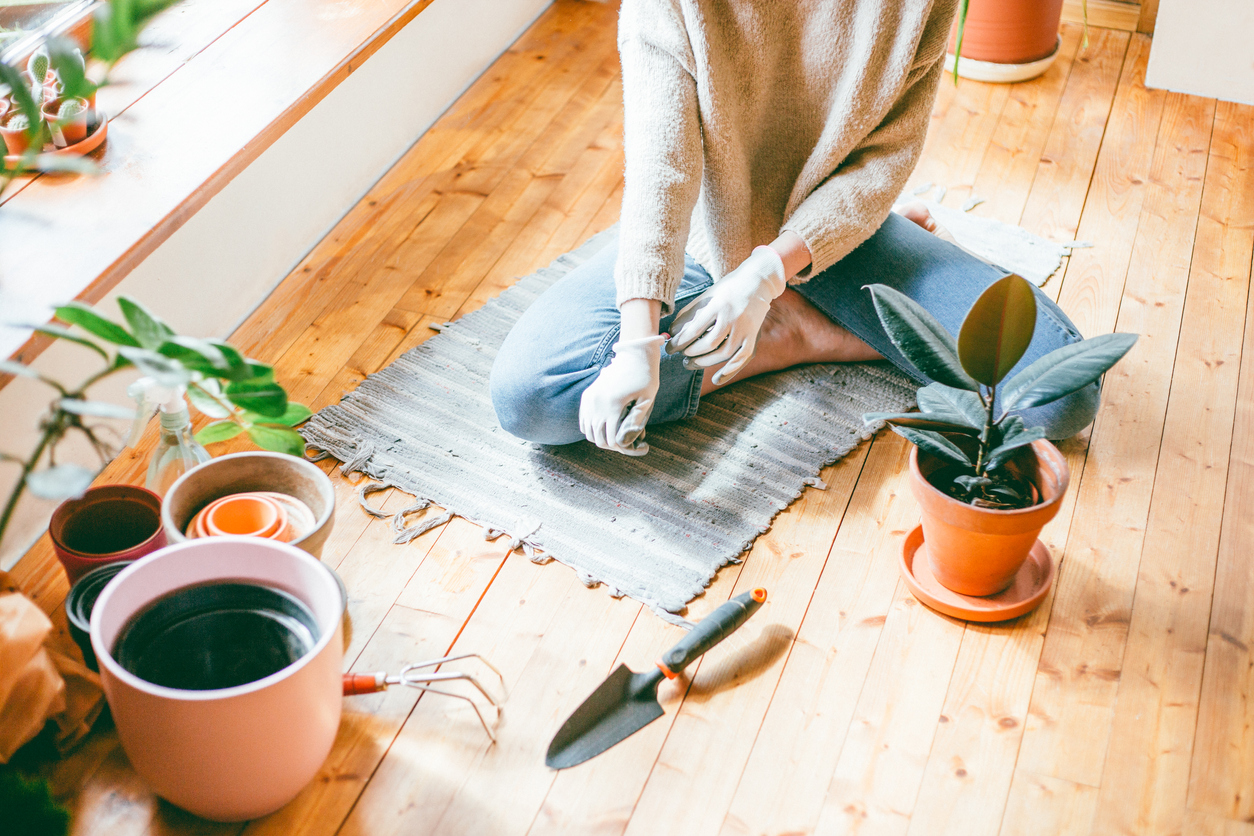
(978, 551)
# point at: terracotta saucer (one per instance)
(96, 133)
(1029, 588)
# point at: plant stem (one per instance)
(981, 459)
(27, 467)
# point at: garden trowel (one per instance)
(627, 702)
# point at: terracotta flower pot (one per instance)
(978, 551)
(107, 524)
(1016, 39)
(71, 131)
(16, 140)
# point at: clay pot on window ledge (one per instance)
(16, 139)
(983, 564)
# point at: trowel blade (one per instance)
(624, 703)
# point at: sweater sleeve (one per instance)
(662, 150)
(854, 200)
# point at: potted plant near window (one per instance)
(985, 482)
(1006, 40)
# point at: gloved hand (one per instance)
(615, 408)
(722, 324)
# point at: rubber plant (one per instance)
(971, 402)
(240, 393)
(116, 26)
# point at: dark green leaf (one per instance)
(76, 313)
(970, 483)
(200, 355)
(148, 329)
(293, 415)
(264, 397)
(919, 421)
(278, 439)
(934, 443)
(940, 399)
(64, 481)
(57, 332)
(237, 366)
(997, 329)
(1000, 455)
(1065, 370)
(202, 394)
(918, 336)
(96, 409)
(218, 431)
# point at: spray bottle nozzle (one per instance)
(151, 396)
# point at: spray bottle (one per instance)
(177, 451)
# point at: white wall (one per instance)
(1204, 47)
(223, 262)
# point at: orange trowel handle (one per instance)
(364, 683)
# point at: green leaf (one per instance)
(940, 399)
(294, 414)
(1001, 454)
(1065, 370)
(997, 329)
(193, 353)
(264, 397)
(218, 431)
(920, 421)
(934, 443)
(162, 369)
(76, 313)
(64, 481)
(204, 402)
(96, 409)
(67, 60)
(278, 439)
(59, 333)
(148, 328)
(962, 27)
(21, 96)
(970, 483)
(918, 336)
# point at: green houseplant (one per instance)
(240, 393)
(986, 482)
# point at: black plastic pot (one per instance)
(82, 598)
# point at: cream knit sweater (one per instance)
(744, 118)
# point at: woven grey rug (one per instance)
(656, 528)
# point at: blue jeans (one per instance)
(560, 344)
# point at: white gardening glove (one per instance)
(615, 408)
(722, 324)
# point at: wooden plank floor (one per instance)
(1125, 704)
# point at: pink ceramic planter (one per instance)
(234, 753)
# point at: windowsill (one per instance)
(225, 79)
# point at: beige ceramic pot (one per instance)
(252, 471)
(235, 753)
(978, 551)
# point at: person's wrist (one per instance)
(639, 318)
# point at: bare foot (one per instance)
(796, 332)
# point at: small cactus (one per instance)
(18, 122)
(37, 65)
(70, 108)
